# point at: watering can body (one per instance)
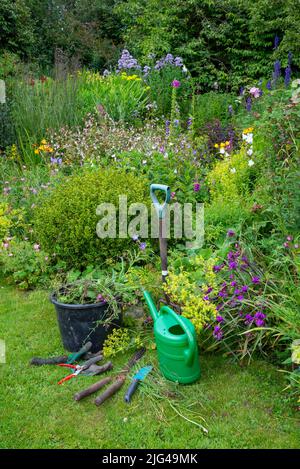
(176, 343)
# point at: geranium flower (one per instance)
(255, 280)
(259, 319)
(255, 92)
(176, 83)
(217, 333)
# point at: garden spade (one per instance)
(161, 212)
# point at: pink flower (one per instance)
(175, 83)
(173, 194)
(255, 92)
(36, 247)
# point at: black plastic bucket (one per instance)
(80, 323)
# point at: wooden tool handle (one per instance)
(48, 361)
(111, 390)
(95, 387)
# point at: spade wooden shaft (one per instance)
(163, 245)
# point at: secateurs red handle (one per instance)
(72, 375)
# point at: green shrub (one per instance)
(211, 106)
(66, 219)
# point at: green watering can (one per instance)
(177, 349)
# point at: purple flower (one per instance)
(189, 122)
(230, 233)
(135, 237)
(248, 319)
(196, 187)
(259, 319)
(209, 290)
(240, 297)
(232, 265)
(269, 85)
(287, 78)
(276, 42)
(127, 62)
(217, 268)
(237, 291)
(249, 104)
(219, 306)
(245, 288)
(167, 128)
(234, 283)
(255, 280)
(277, 70)
(242, 89)
(175, 83)
(217, 333)
(222, 294)
(220, 318)
(206, 298)
(143, 246)
(146, 70)
(178, 62)
(230, 109)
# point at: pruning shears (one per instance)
(89, 368)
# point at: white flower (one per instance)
(175, 171)
(166, 155)
(222, 150)
(184, 69)
(249, 138)
(250, 152)
(233, 170)
(250, 163)
(144, 162)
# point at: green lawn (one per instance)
(243, 408)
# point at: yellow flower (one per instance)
(216, 145)
(43, 142)
(222, 145)
(36, 151)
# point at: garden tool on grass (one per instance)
(120, 379)
(73, 357)
(138, 377)
(161, 212)
(176, 343)
(89, 368)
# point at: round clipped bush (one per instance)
(66, 219)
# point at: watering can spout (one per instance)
(151, 305)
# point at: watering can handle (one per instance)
(160, 208)
(189, 353)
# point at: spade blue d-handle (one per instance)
(160, 208)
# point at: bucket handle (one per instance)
(160, 208)
(189, 353)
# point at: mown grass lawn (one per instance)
(243, 408)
